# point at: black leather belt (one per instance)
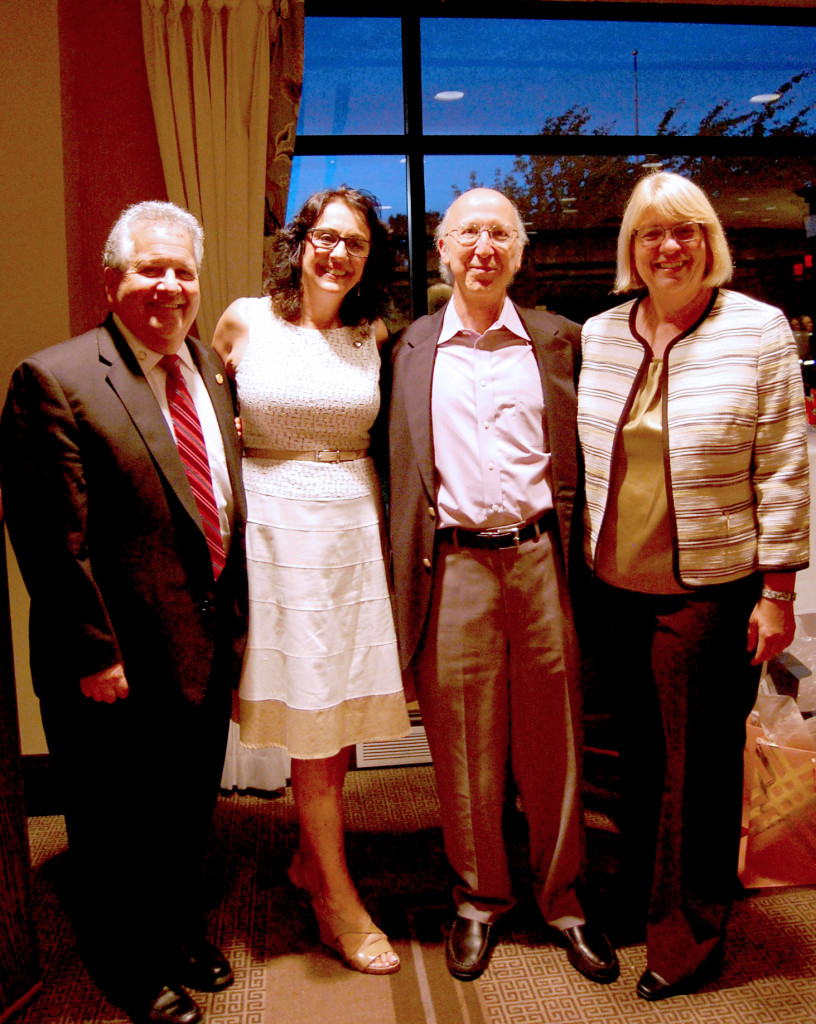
(501, 537)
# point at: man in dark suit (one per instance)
(483, 518)
(137, 579)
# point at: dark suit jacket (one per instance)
(413, 479)
(106, 529)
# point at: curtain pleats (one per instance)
(215, 100)
(209, 70)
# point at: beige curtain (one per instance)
(225, 79)
(216, 69)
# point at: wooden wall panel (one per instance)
(110, 148)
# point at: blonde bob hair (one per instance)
(673, 197)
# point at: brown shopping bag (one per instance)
(779, 814)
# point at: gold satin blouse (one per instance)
(635, 546)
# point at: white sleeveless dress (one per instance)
(321, 670)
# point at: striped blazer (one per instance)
(734, 434)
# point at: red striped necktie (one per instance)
(193, 452)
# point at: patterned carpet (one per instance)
(285, 976)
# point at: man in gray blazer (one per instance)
(138, 609)
(483, 519)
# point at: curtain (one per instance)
(224, 75)
(225, 79)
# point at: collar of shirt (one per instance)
(509, 320)
(147, 357)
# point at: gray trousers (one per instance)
(497, 691)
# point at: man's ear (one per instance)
(519, 257)
(443, 251)
(111, 279)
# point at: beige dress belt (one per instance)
(326, 455)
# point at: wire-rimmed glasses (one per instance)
(501, 235)
(652, 237)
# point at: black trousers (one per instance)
(139, 779)
(682, 688)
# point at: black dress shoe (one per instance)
(204, 967)
(467, 950)
(653, 986)
(171, 1006)
(589, 951)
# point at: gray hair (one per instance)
(119, 246)
(444, 227)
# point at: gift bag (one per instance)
(779, 814)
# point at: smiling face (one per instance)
(327, 276)
(157, 294)
(672, 271)
(482, 271)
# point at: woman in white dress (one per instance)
(321, 671)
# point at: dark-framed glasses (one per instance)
(327, 239)
(501, 235)
(651, 237)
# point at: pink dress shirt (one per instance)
(489, 425)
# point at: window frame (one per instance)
(415, 145)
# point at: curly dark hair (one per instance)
(282, 283)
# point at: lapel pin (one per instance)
(219, 379)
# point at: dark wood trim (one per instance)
(39, 786)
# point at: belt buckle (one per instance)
(497, 531)
(500, 532)
(328, 455)
(510, 531)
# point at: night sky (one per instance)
(515, 74)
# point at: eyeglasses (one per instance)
(327, 239)
(689, 231)
(501, 235)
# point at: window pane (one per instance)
(384, 177)
(525, 77)
(352, 77)
(572, 206)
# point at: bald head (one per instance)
(463, 202)
(480, 241)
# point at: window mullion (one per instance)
(415, 166)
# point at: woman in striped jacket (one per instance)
(691, 422)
